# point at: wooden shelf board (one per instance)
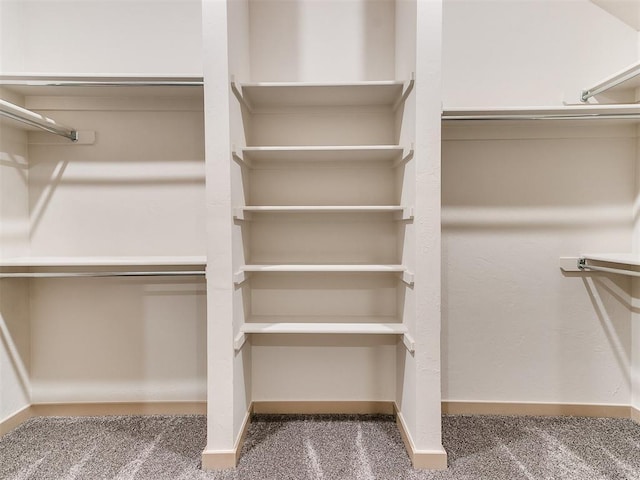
(323, 208)
(294, 94)
(326, 328)
(325, 268)
(371, 153)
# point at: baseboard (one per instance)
(221, 459)
(420, 459)
(635, 414)
(98, 409)
(90, 409)
(536, 409)
(16, 419)
(305, 407)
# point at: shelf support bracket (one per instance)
(240, 215)
(240, 160)
(407, 277)
(406, 214)
(238, 94)
(239, 341)
(405, 158)
(409, 342)
(408, 87)
(240, 277)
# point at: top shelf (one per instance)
(625, 80)
(70, 262)
(297, 94)
(102, 85)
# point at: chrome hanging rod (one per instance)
(583, 266)
(15, 112)
(169, 273)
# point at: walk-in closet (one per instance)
(399, 207)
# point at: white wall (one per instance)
(515, 328)
(138, 190)
(15, 348)
(529, 52)
(100, 36)
(517, 198)
(11, 36)
(322, 41)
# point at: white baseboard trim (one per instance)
(221, 459)
(99, 409)
(635, 414)
(420, 459)
(537, 409)
(16, 419)
(305, 407)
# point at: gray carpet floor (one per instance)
(321, 447)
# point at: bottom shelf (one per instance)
(324, 328)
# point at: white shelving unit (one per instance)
(317, 217)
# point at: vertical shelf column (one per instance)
(225, 28)
(418, 48)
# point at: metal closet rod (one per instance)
(169, 273)
(15, 112)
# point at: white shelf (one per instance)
(70, 262)
(355, 268)
(295, 94)
(335, 153)
(624, 80)
(102, 85)
(625, 263)
(632, 259)
(401, 213)
(328, 328)
(242, 275)
(627, 112)
(324, 209)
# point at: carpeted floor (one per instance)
(321, 447)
